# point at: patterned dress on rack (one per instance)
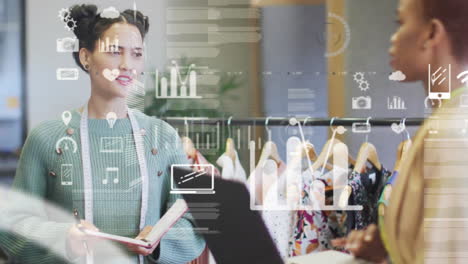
(314, 229)
(366, 189)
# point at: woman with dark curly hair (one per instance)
(118, 179)
(425, 217)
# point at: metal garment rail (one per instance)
(282, 121)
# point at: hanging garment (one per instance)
(199, 159)
(204, 258)
(314, 229)
(383, 204)
(337, 219)
(276, 214)
(231, 169)
(365, 191)
(263, 177)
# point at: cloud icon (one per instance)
(397, 76)
(110, 12)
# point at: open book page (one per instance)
(167, 221)
(329, 257)
(158, 231)
(120, 239)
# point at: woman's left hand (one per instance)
(142, 250)
(365, 244)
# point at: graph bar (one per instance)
(218, 142)
(173, 82)
(238, 138)
(193, 83)
(183, 90)
(156, 84)
(164, 87)
(269, 200)
(252, 178)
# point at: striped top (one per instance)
(57, 176)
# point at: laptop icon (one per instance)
(189, 182)
(234, 233)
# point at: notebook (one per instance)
(158, 231)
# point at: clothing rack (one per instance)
(283, 121)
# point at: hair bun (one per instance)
(83, 15)
(140, 19)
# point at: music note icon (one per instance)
(111, 172)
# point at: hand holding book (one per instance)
(139, 249)
(149, 237)
(77, 241)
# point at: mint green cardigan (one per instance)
(42, 172)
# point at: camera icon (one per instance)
(362, 102)
(67, 45)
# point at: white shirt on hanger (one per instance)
(231, 169)
(279, 222)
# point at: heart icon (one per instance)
(398, 128)
(111, 75)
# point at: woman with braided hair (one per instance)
(118, 179)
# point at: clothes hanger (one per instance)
(306, 148)
(230, 149)
(310, 148)
(403, 148)
(269, 150)
(367, 153)
(187, 143)
(327, 150)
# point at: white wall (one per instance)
(47, 97)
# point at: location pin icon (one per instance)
(111, 118)
(66, 117)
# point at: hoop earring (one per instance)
(86, 66)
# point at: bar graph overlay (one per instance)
(107, 46)
(395, 103)
(176, 85)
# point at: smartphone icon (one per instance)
(67, 176)
(440, 77)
